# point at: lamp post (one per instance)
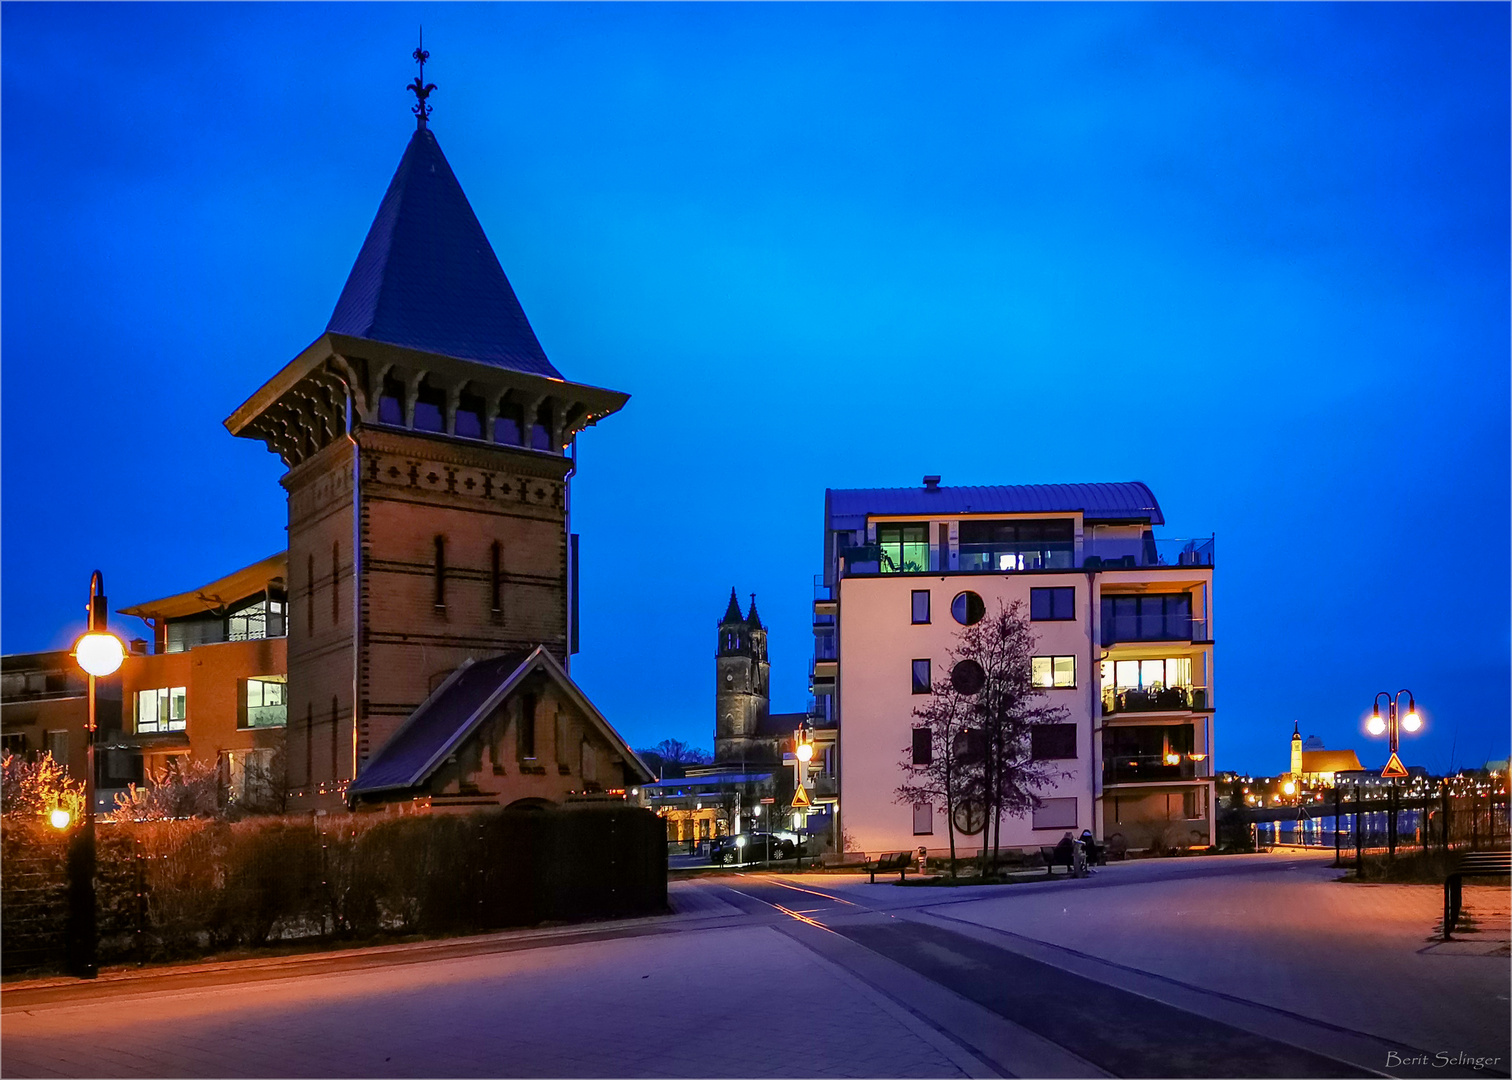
(1392, 725)
(803, 751)
(99, 653)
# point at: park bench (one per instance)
(1473, 864)
(892, 860)
(1053, 859)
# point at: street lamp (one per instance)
(1392, 724)
(99, 653)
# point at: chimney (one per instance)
(931, 483)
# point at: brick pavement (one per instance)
(689, 1004)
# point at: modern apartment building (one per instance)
(209, 688)
(1123, 621)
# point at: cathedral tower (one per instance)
(428, 445)
(741, 693)
(1296, 752)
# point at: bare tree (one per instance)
(944, 776)
(1006, 709)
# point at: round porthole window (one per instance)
(967, 608)
(967, 677)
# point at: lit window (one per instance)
(162, 710)
(267, 701)
(904, 548)
(1058, 672)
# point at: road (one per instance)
(1241, 966)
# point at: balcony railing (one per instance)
(1170, 626)
(1150, 768)
(1154, 699)
(1094, 553)
(267, 715)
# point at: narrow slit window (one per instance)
(310, 601)
(440, 572)
(335, 584)
(335, 738)
(495, 579)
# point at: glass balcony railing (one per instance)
(1158, 626)
(1153, 699)
(267, 715)
(1144, 768)
(1095, 552)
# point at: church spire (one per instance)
(732, 611)
(753, 619)
(420, 88)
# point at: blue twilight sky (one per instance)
(1256, 256)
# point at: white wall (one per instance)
(877, 646)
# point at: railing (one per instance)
(825, 647)
(1149, 768)
(1095, 553)
(1154, 699)
(267, 715)
(1171, 626)
(1113, 552)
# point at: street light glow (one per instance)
(1375, 725)
(1412, 721)
(99, 653)
(60, 818)
(805, 751)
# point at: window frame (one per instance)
(1054, 672)
(1045, 730)
(913, 607)
(1059, 801)
(923, 811)
(1051, 593)
(927, 687)
(922, 751)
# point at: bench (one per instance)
(1474, 864)
(1053, 859)
(892, 860)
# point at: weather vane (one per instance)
(420, 88)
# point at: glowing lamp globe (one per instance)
(1289, 787)
(59, 818)
(1375, 725)
(805, 751)
(1411, 722)
(99, 654)
(1173, 759)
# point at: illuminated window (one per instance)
(1058, 672)
(921, 677)
(162, 710)
(1147, 674)
(267, 701)
(905, 548)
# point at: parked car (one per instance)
(750, 847)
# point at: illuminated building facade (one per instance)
(1124, 629)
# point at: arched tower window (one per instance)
(440, 571)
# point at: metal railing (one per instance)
(1171, 626)
(1154, 699)
(1147, 768)
(1095, 552)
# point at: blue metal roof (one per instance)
(427, 278)
(848, 508)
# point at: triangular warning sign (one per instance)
(1393, 768)
(801, 799)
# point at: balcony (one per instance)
(1095, 552)
(261, 716)
(1152, 768)
(1154, 699)
(1150, 621)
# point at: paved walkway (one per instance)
(1240, 966)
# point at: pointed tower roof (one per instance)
(754, 619)
(427, 278)
(732, 611)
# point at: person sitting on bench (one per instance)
(1064, 851)
(1094, 853)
